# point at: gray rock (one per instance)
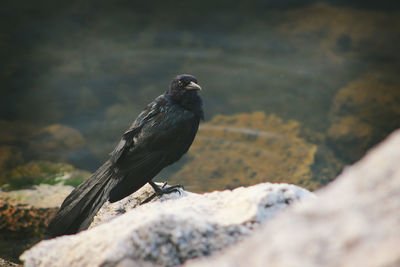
(355, 221)
(111, 210)
(168, 231)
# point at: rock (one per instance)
(111, 210)
(25, 215)
(22, 142)
(21, 227)
(9, 158)
(369, 105)
(168, 231)
(354, 222)
(39, 196)
(41, 172)
(23, 221)
(12, 131)
(60, 143)
(56, 137)
(232, 151)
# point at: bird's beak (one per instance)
(192, 86)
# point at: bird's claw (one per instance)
(161, 191)
(171, 189)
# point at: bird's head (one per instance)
(183, 90)
(183, 84)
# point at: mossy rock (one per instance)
(245, 149)
(364, 113)
(21, 226)
(57, 137)
(25, 215)
(54, 142)
(41, 172)
(10, 157)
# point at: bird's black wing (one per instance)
(161, 138)
(126, 141)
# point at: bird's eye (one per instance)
(180, 84)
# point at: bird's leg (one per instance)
(161, 191)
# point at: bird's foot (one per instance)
(159, 191)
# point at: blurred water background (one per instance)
(293, 90)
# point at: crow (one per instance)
(159, 136)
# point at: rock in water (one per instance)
(169, 231)
(25, 215)
(355, 222)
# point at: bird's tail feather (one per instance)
(79, 208)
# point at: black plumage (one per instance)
(159, 136)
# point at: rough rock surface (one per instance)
(355, 222)
(28, 212)
(111, 210)
(169, 231)
(25, 215)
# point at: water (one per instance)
(293, 90)
(326, 73)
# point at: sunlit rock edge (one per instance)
(353, 222)
(170, 230)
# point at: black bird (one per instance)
(160, 135)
